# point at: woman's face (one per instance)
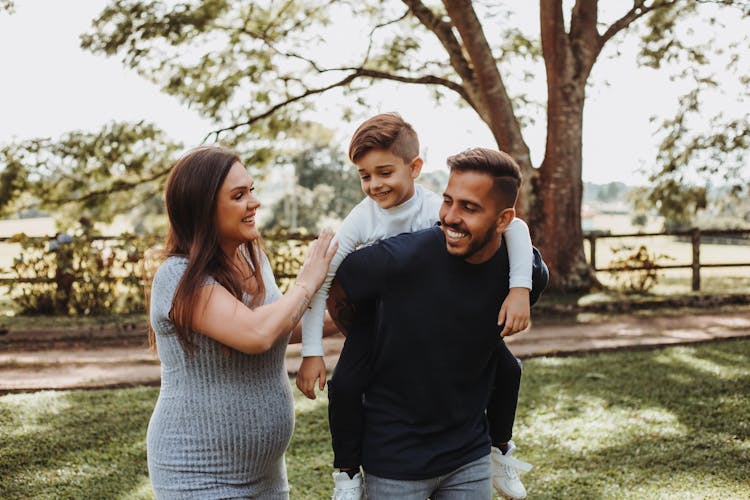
(235, 208)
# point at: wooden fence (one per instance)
(284, 271)
(696, 235)
(286, 250)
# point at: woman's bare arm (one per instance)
(221, 316)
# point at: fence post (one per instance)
(696, 241)
(592, 249)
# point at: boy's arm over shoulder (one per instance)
(349, 236)
(539, 277)
(520, 256)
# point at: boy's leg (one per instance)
(345, 390)
(501, 413)
(468, 482)
(501, 410)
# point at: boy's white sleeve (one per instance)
(348, 237)
(520, 254)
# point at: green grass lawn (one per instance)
(662, 423)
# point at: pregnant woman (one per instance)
(220, 325)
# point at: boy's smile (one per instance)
(386, 178)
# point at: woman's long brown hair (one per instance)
(190, 196)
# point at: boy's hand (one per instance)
(514, 312)
(312, 368)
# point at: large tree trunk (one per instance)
(493, 104)
(553, 204)
(558, 191)
(558, 187)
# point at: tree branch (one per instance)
(377, 27)
(357, 73)
(423, 80)
(493, 96)
(585, 42)
(444, 32)
(313, 64)
(268, 112)
(638, 10)
(116, 187)
(584, 18)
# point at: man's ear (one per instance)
(504, 218)
(415, 167)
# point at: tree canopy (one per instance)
(255, 67)
(97, 175)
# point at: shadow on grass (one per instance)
(666, 422)
(77, 444)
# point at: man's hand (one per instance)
(515, 312)
(312, 368)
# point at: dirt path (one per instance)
(90, 362)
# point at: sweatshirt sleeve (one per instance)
(349, 238)
(540, 278)
(520, 255)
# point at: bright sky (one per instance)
(50, 86)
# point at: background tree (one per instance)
(254, 67)
(323, 187)
(691, 166)
(119, 170)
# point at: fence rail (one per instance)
(284, 270)
(695, 236)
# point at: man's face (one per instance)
(470, 217)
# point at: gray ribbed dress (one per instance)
(223, 418)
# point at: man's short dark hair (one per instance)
(505, 172)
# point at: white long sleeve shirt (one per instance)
(367, 223)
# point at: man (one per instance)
(408, 397)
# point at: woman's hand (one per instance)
(319, 256)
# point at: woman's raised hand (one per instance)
(319, 255)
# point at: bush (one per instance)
(88, 274)
(286, 251)
(637, 270)
(79, 274)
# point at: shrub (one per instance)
(79, 274)
(637, 270)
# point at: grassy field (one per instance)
(663, 423)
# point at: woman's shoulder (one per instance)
(174, 264)
(170, 272)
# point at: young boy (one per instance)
(385, 150)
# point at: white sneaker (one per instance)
(345, 488)
(505, 473)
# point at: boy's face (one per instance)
(386, 178)
(470, 218)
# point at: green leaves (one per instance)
(98, 175)
(79, 274)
